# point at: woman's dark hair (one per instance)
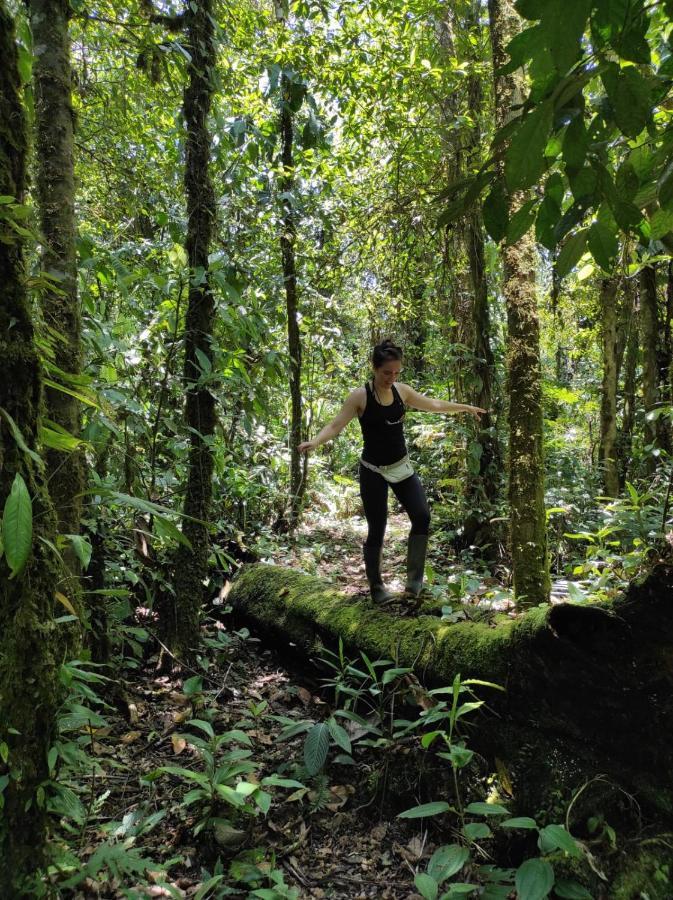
(384, 352)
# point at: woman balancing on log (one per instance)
(380, 406)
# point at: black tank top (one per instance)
(382, 430)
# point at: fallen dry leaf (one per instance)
(130, 737)
(179, 743)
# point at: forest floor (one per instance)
(335, 837)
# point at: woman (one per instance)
(380, 406)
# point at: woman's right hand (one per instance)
(305, 446)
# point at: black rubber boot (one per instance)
(417, 547)
(372, 557)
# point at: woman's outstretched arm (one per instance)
(429, 404)
(350, 409)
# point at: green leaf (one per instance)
(583, 183)
(206, 887)
(575, 143)
(563, 40)
(522, 47)
(486, 809)
(631, 98)
(83, 398)
(534, 880)
(548, 217)
(555, 837)
(665, 186)
(571, 252)
(475, 831)
(17, 526)
(426, 809)
(571, 890)
(496, 212)
(18, 437)
(524, 160)
(519, 822)
(603, 245)
(339, 735)
(427, 886)
(530, 9)
(82, 548)
(661, 223)
(521, 221)
(446, 861)
(316, 747)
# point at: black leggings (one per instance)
(374, 493)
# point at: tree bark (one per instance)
(288, 238)
(608, 439)
(545, 660)
(55, 182)
(530, 562)
(625, 439)
(180, 623)
(28, 678)
(649, 337)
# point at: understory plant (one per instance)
(475, 822)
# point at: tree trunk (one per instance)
(608, 440)
(180, 625)
(28, 678)
(530, 562)
(649, 337)
(288, 239)
(546, 659)
(55, 182)
(625, 439)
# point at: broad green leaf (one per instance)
(486, 809)
(495, 212)
(17, 526)
(207, 886)
(521, 221)
(459, 889)
(56, 438)
(339, 735)
(661, 223)
(571, 252)
(575, 143)
(548, 216)
(523, 47)
(524, 160)
(665, 186)
(82, 548)
(316, 747)
(519, 822)
(426, 885)
(475, 831)
(534, 880)
(583, 183)
(631, 98)
(571, 890)
(563, 40)
(603, 244)
(530, 9)
(426, 809)
(555, 837)
(446, 861)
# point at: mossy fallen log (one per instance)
(588, 688)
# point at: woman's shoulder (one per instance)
(403, 390)
(358, 398)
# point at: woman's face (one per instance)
(387, 374)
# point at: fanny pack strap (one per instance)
(381, 470)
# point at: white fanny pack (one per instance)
(394, 472)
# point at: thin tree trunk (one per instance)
(649, 336)
(180, 625)
(28, 682)
(608, 438)
(530, 562)
(288, 239)
(625, 440)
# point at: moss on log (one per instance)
(583, 682)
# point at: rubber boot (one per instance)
(372, 557)
(417, 547)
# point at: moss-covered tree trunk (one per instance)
(180, 622)
(592, 685)
(530, 563)
(288, 238)
(28, 692)
(608, 438)
(55, 182)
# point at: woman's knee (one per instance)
(420, 521)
